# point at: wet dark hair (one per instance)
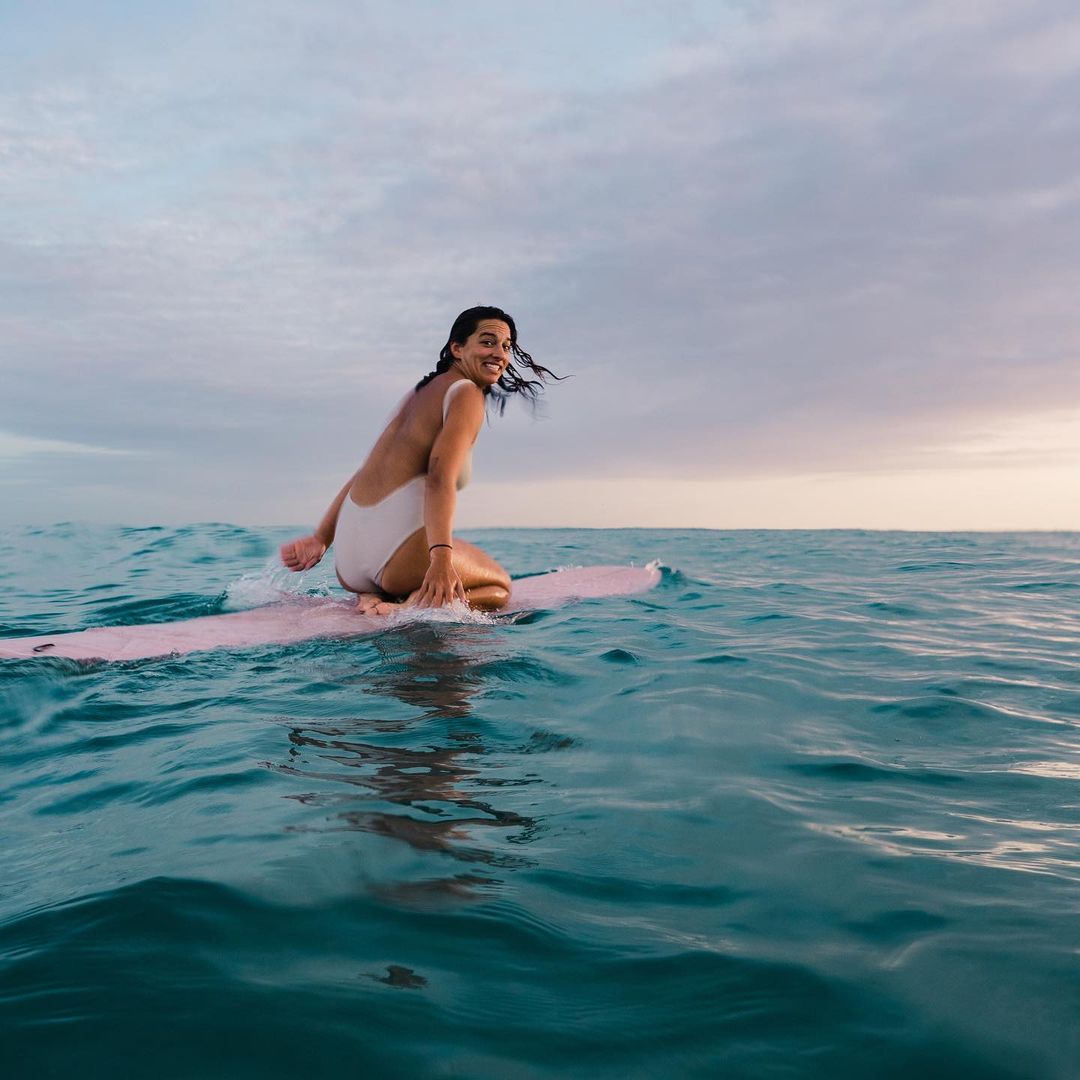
(512, 381)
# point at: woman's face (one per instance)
(485, 353)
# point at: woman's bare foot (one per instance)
(368, 603)
(377, 604)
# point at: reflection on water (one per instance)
(435, 667)
(428, 797)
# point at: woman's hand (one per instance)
(441, 584)
(302, 553)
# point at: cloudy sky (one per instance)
(809, 263)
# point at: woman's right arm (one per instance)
(305, 551)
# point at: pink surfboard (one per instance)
(303, 617)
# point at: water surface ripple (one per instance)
(808, 809)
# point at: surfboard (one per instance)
(302, 618)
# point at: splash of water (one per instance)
(271, 584)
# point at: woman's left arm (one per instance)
(442, 583)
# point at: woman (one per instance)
(393, 519)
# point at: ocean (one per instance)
(810, 808)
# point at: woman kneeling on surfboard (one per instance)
(393, 519)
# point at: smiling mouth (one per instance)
(496, 368)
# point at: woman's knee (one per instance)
(477, 567)
(501, 579)
(488, 597)
(484, 577)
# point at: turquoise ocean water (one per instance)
(808, 809)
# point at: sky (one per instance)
(809, 264)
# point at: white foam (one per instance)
(457, 612)
(272, 584)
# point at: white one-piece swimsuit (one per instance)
(366, 537)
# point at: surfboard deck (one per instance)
(303, 618)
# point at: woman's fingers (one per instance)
(441, 590)
(302, 554)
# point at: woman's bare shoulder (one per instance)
(465, 391)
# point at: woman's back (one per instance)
(403, 450)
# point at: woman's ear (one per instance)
(455, 350)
